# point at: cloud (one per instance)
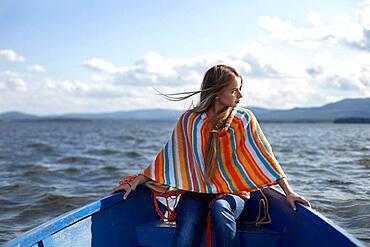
(155, 70)
(342, 84)
(36, 68)
(13, 81)
(364, 14)
(11, 56)
(254, 67)
(100, 65)
(352, 31)
(314, 71)
(365, 76)
(67, 87)
(78, 89)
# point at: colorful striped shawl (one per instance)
(246, 160)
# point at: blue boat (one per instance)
(113, 221)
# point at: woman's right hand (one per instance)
(125, 187)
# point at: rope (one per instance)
(127, 180)
(263, 202)
(171, 215)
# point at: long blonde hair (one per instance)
(215, 79)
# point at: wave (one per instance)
(365, 162)
(71, 170)
(37, 171)
(338, 182)
(110, 168)
(76, 160)
(103, 152)
(133, 154)
(41, 147)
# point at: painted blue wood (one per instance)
(160, 234)
(114, 222)
(78, 234)
(303, 227)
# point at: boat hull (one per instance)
(113, 221)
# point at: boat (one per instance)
(113, 221)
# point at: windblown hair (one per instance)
(215, 79)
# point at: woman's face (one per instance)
(231, 95)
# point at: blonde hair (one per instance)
(215, 79)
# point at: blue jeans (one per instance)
(191, 217)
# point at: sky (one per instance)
(102, 56)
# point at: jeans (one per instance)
(191, 216)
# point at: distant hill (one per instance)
(345, 109)
(14, 115)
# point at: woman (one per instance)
(217, 153)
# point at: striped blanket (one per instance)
(246, 161)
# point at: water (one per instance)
(48, 168)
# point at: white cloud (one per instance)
(365, 76)
(364, 14)
(11, 56)
(155, 70)
(101, 78)
(342, 29)
(13, 81)
(36, 68)
(100, 65)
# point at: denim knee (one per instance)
(222, 212)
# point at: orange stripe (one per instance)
(156, 167)
(180, 144)
(276, 165)
(261, 148)
(183, 174)
(156, 175)
(229, 165)
(198, 173)
(145, 172)
(160, 168)
(253, 170)
(204, 136)
(220, 182)
(191, 166)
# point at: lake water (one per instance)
(48, 168)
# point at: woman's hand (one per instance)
(292, 197)
(130, 186)
(126, 187)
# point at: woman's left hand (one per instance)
(292, 197)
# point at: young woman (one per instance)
(217, 153)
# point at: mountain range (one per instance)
(346, 110)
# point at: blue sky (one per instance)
(98, 56)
